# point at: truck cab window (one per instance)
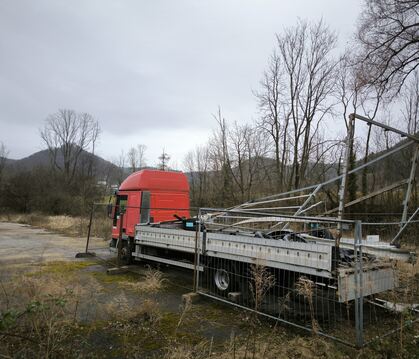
(145, 207)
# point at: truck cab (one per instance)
(147, 196)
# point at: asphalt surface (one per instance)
(23, 244)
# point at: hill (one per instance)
(101, 167)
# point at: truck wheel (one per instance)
(224, 279)
(221, 279)
(126, 253)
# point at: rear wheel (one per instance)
(221, 279)
(224, 279)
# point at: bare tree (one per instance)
(309, 72)
(120, 163)
(3, 157)
(197, 163)
(274, 114)
(220, 159)
(410, 104)
(247, 149)
(388, 33)
(136, 157)
(164, 159)
(354, 95)
(132, 159)
(349, 87)
(67, 134)
(141, 149)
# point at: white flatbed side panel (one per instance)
(173, 239)
(308, 258)
(375, 280)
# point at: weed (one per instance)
(154, 281)
(305, 287)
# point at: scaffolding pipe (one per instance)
(343, 184)
(395, 239)
(409, 186)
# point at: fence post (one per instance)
(358, 277)
(196, 258)
(90, 227)
(86, 253)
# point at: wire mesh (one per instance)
(340, 303)
(298, 270)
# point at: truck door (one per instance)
(121, 203)
(145, 207)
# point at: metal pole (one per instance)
(358, 278)
(306, 202)
(396, 149)
(199, 248)
(90, 227)
(385, 127)
(195, 264)
(361, 288)
(395, 239)
(121, 225)
(409, 186)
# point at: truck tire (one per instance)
(126, 251)
(224, 279)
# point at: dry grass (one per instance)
(149, 310)
(68, 225)
(298, 347)
(305, 287)
(38, 313)
(55, 302)
(154, 281)
(261, 282)
(185, 351)
(185, 308)
(41, 312)
(407, 290)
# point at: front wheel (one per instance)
(128, 247)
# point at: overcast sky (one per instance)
(152, 72)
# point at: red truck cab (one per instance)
(148, 196)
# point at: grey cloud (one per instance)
(141, 66)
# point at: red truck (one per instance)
(148, 196)
(222, 247)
